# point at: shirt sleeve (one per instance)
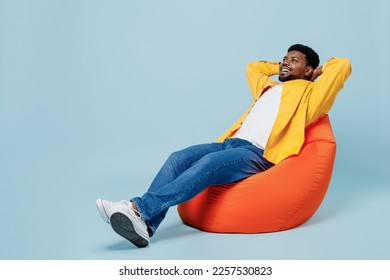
(325, 90)
(258, 76)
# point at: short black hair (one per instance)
(312, 57)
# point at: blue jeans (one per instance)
(188, 172)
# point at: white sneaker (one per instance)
(124, 221)
(106, 207)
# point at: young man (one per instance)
(272, 129)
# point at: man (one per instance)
(273, 128)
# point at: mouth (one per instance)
(284, 70)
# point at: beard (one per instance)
(286, 78)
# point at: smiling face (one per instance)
(294, 66)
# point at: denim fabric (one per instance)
(188, 172)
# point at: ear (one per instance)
(308, 71)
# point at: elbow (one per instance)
(251, 67)
(346, 65)
(343, 66)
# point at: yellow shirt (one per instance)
(302, 103)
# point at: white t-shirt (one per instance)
(257, 126)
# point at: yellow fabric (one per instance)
(302, 103)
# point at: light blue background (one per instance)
(94, 95)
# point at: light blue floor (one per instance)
(94, 95)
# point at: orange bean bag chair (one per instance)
(280, 198)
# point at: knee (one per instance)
(184, 155)
(177, 160)
(176, 157)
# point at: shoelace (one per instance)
(134, 211)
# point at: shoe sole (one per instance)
(123, 226)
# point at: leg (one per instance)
(184, 176)
(225, 166)
(179, 161)
(123, 215)
(176, 164)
